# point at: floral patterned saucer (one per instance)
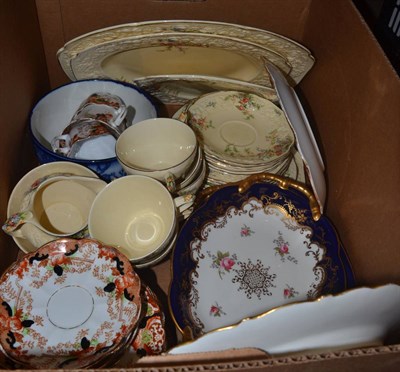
(241, 128)
(70, 304)
(251, 247)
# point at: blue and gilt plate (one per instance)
(251, 247)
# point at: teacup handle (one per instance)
(169, 180)
(184, 205)
(55, 144)
(14, 222)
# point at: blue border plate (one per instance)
(338, 272)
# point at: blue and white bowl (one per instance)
(54, 111)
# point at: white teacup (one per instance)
(138, 215)
(160, 148)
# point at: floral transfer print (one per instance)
(289, 292)
(246, 231)
(201, 122)
(151, 336)
(223, 261)
(282, 249)
(171, 45)
(216, 310)
(15, 323)
(254, 279)
(15, 221)
(245, 103)
(278, 144)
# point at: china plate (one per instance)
(69, 304)
(298, 57)
(177, 54)
(241, 128)
(362, 317)
(306, 143)
(249, 248)
(179, 89)
(151, 336)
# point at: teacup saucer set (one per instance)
(230, 189)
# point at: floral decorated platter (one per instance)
(177, 53)
(241, 128)
(362, 317)
(297, 57)
(70, 304)
(251, 247)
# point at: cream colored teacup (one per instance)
(138, 215)
(58, 206)
(160, 148)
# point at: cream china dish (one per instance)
(225, 172)
(177, 53)
(248, 249)
(31, 238)
(68, 304)
(240, 128)
(107, 42)
(362, 317)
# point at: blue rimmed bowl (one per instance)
(54, 111)
(250, 247)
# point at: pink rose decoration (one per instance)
(284, 249)
(214, 310)
(227, 263)
(286, 292)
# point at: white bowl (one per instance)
(136, 214)
(157, 148)
(55, 110)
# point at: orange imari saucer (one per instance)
(68, 305)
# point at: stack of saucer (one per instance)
(70, 304)
(241, 134)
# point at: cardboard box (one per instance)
(351, 96)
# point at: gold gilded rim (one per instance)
(283, 182)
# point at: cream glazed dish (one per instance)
(32, 238)
(240, 128)
(362, 317)
(295, 55)
(250, 247)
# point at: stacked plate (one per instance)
(242, 134)
(70, 304)
(176, 60)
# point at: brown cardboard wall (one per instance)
(353, 94)
(23, 77)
